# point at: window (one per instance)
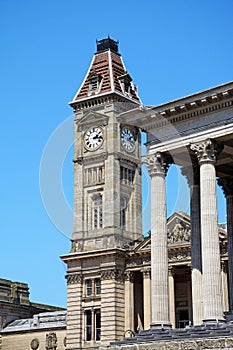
(88, 325)
(93, 287)
(97, 212)
(97, 286)
(123, 213)
(88, 287)
(97, 325)
(94, 83)
(93, 325)
(125, 81)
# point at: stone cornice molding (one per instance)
(91, 159)
(158, 163)
(100, 100)
(207, 151)
(226, 183)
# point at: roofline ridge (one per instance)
(85, 78)
(110, 70)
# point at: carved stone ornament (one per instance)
(115, 274)
(35, 344)
(192, 174)
(51, 341)
(227, 185)
(129, 276)
(207, 151)
(179, 234)
(74, 278)
(157, 163)
(178, 256)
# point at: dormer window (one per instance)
(94, 83)
(125, 81)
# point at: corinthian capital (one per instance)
(227, 185)
(157, 163)
(207, 151)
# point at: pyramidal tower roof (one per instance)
(107, 75)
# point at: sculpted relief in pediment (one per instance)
(179, 233)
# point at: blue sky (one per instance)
(170, 48)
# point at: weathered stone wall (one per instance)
(23, 341)
(197, 344)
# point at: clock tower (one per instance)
(107, 180)
(107, 200)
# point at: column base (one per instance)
(213, 321)
(160, 325)
(229, 316)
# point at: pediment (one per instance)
(178, 228)
(144, 245)
(92, 119)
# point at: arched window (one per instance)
(97, 212)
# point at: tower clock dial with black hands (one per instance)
(93, 138)
(127, 139)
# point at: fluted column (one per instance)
(171, 273)
(227, 186)
(206, 153)
(129, 301)
(192, 174)
(147, 298)
(157, 166)
(224, 286)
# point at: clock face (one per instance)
(127, 140)
(93, 138)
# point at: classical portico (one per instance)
(195, 133)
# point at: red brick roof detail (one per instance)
(109, 66)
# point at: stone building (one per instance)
(174, 286)
(119, 282)
(28, 325)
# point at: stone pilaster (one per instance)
(227, 186)
(192, 174)
(157, 167)
(171, 273)
(74, 311)
(129, 301)
(206, 153)
(147, 297)
(112, 312)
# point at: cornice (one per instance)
(101, 99)
(93, 254)
(176, 114)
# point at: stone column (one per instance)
(171, 273)
(227, 186)
(157, 166)
(192, 174)
(224, 286)
(129, 301)
(206, 153)
(147, 298)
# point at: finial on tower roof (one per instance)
(106, 44)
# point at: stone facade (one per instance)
(119, 283)
(173, 288)
(15, 303)
(43, 331)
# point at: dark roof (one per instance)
(108, 67)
